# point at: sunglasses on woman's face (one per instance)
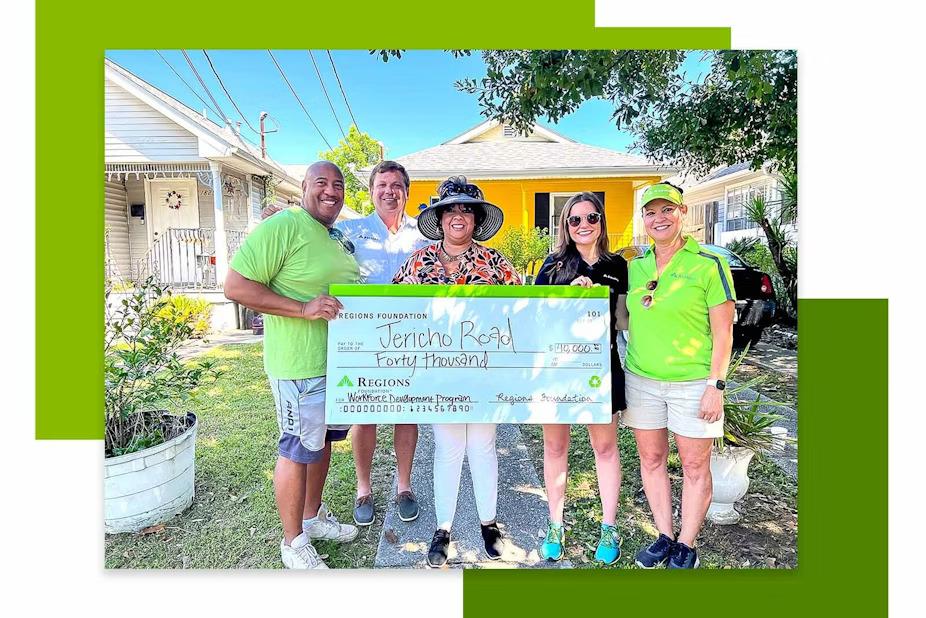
(593, 218)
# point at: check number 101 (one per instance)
(576, 348)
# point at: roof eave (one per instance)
(725, 179)
(579, 172)
(212, 139)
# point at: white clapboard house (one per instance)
(181, 192)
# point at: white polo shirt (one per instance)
(379, 252)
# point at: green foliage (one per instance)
(187, 310)
(789, 195)
(356, 151)
(756, 253)
(744, 109)
(142, 371)
(270, 190)
(744, 424)
(745, 247)
(236, 448)
(525, 247)
(781, 243)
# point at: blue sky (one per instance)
(408, 104)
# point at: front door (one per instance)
(178, 250)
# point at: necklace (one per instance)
(450, 258)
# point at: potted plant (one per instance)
(746, 430)
(149, 447)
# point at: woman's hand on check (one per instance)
(585, 282)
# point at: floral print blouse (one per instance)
(478, 266)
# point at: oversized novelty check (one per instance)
(469, 354)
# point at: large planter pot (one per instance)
(728, 472)
(148, 487)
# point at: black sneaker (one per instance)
(656, 553)
(683, 557)
(492, 537)
(437, 553)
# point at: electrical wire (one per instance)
(331, 60)
(291, 89)
(203, 84)
(227, 94)
(325, 90)
(196, 94)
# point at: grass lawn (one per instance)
(765, 538)
(233, 521)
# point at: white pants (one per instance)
(451, 442)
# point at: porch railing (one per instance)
(184, 258)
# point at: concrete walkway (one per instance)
(786, 459)
(195, 347)
(773, 357)
(522, 513)
(776, 358)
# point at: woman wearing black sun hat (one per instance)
(456, 222)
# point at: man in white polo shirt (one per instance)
(382, 242)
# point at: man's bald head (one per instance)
(323, 192)
(313, 170)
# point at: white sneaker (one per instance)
(300, 554)
(325, 526)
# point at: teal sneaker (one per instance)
(609, 545)
(552, 548)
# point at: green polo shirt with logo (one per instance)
(671, 340)
(293, 255)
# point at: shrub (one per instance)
(756, 254)
(187, 310)
(525, 247)
(144, 377)
(744, 424)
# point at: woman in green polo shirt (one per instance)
(681, 304)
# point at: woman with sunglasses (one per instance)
(456, 222)
(583, 258)
(681, 302)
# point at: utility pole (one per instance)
(263, 132)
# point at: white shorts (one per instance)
(652, 404)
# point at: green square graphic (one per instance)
(842, 504)
(70, 43)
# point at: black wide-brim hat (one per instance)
(456, 190)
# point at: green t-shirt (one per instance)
(671, 340)
(292, 254)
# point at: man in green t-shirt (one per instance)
(283, 270)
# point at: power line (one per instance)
(203, 84)
(291, 89)
(325, 90)
(331, 60)
(196, 94)
(235, 105)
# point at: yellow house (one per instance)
(530, 177)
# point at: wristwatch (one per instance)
(718, 384)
